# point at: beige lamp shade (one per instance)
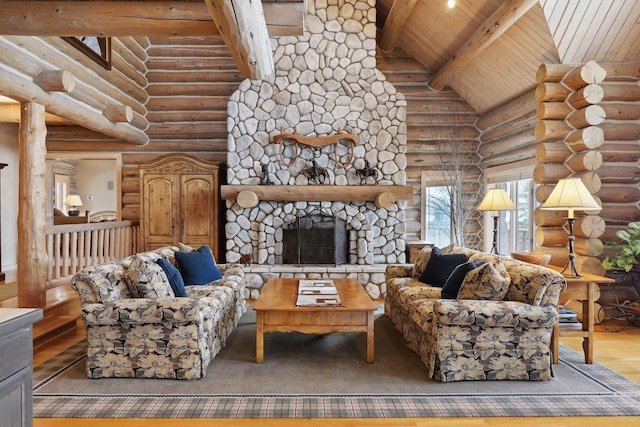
(73, 200)
(496, 200)
(570, 194)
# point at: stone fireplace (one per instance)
(315, 239)
(326, 82)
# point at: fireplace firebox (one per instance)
(315, 239)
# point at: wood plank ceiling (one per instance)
(569, 31)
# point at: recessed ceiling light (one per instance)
(451, 4)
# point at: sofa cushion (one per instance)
(174, 277)
(487, 282)
(423, 258)
(148, 279)
(440, 267)
(198, 267)
(455, 279)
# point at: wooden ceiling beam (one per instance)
(62, 105)
(506, 15)
(132, 18)
(10, 113)
(243, 28)
(395, 22)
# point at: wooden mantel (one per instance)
(321, 193)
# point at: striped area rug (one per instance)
(577, 389)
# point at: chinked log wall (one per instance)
(568, 117)
(596, 140)
(192, 78)
(120, 87)
(433, 117)
(190, 82)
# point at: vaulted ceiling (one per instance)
(486, 50)
(551, 31)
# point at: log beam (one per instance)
(244, 30)
(506, 15)
(118, 113)
(323, 193)
(61, 105)
(32, 198)
(132, 18)
(395, 22)
(55, 81)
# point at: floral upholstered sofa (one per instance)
(463, 337)
(143, 330)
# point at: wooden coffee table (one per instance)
(276, 311)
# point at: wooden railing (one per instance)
(73, 247)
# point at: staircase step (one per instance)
(51, 327)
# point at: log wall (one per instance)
(506, 133)
(190, 81)
(433, 119)
(94, 85)
(569, 142)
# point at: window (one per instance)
(515, 228)
(438, 215)
(61, 183)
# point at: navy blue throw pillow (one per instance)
(453, 283)
(440, 266)
(198, 267)
(175, 279)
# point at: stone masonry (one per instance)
(325, 82)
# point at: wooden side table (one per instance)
(582, 289)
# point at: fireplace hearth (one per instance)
(315, 239)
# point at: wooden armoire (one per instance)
(180, 202)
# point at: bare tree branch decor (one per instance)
(453, 138)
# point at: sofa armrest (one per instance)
(234, 271)
(146, 311)
(484, 313)
(395, 271)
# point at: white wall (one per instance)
(96, 184)
(9, 153)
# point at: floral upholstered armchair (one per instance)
(137, 326)
(478, 334)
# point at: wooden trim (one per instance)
(103, 57)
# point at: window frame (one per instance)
(499, 175)
(428, 179)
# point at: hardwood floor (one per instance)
(618, 351)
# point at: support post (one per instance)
(32, 198)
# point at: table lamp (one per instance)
(570, 194)
(496, 200)
(73, 201)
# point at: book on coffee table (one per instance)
(317, 293)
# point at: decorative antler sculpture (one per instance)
(317, 142)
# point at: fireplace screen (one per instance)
(315, 239)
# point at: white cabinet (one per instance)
(16, 365)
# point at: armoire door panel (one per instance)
(160, 218)
(198, 216)
(180, 202)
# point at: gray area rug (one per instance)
(326, 376)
